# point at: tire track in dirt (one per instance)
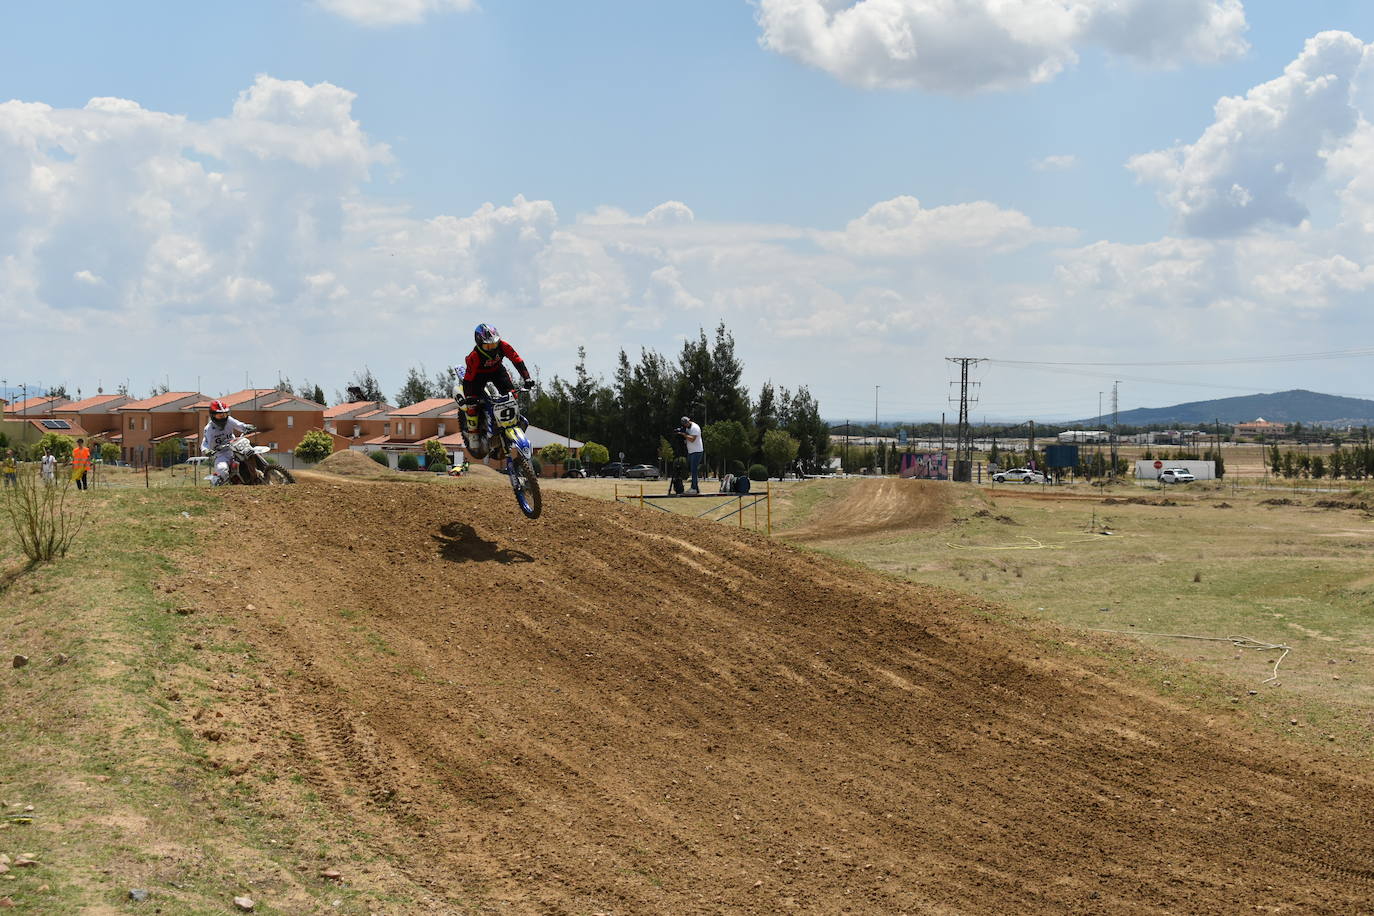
(569, 717)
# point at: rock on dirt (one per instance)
(20, 661)
(245, 904)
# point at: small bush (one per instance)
(44, 521)
(758, 472)
(109, 453)
(736, 466)
(408, 462)
(438, 467)
(316, 445)
(380, 458)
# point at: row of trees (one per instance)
(1355, 463)
(636, 413)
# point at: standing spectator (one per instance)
(49, 465)
(9, 469)
(81, 463)
(691, 434)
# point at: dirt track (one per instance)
(613, 710)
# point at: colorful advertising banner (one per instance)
(931, 466)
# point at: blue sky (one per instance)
(858, 190)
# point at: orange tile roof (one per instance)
(161, 400)
(87, 403)
(425, 406)
(35, 404)
(340, 409)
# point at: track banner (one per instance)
(929, 466)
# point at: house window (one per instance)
(145, 422)
(443, 429)
(132, 421)
(412, 429)
(290, 421)
(357, 430)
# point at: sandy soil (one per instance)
(612, 710)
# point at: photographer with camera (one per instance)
(691, 436)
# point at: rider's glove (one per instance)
(249, 428)
(531, 385)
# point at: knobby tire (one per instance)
(530, 500)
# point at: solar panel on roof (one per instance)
(56, 424)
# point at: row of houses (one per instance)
(137, 426)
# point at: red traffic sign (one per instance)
(1158, 465)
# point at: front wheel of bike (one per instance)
(276, 475)
(526, 486)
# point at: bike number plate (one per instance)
(505, 415)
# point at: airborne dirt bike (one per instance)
(249, 466)
(502, 435)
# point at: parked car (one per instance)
(1024, 475)
(642, 471)
(574, 472)
(1176, 475)
(612, 469)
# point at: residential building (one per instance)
(1261, 429)
(98, 415)
(359, 421)
(157, 419)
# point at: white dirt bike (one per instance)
(501, 435)
(248, 465)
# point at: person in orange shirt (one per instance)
(81, 463)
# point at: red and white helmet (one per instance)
(219, 411)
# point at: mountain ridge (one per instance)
(1294, 406)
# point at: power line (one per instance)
(1356, 353)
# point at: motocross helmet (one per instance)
(486, 335)
(219, 411)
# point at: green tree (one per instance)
(408, 461)
(1318, 467)
(364, 387)
(169, 451)
(804, 423)
(109, 453)
(61, 446)
(726, 441)
(595, 454)
(380, 457)
(779, 451)
(415, 389)
(554, 453)
(316, 445)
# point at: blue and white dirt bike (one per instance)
(501, 435)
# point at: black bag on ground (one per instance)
(676, 486)
(741, 483)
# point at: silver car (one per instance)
(1015, 475)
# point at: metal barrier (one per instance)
(732, 505)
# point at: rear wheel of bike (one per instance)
(275, 476)
(527, 491)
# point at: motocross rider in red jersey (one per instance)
(486, 364)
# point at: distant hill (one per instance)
(1297, 406)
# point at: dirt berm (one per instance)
(615, 710)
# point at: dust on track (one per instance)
(620, 711)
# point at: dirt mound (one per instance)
(867, 508)
(348, 463)
(620, 710)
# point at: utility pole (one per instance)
(883, 466)
(1116, 426)
(963, 449)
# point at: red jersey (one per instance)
(481, 366)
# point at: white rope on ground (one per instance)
(1240, 642)
(1033, 545)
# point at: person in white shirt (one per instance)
(691, 434)
(49, 466)
(219, 433)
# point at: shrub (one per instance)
(109, 453)
(434, 453)
(380, 458)
(736, 466)
(758, 472)
(42, 518)
(438, 467)
(595, 454)
(538, 466)
(315, 446)
(61, 446)
(408, 462)
(554, 453)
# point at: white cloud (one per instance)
(962, 46)
(902, 228)
(392, 12)
(1055, 163)
(1254, 164)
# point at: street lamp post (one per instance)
(883, 469)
